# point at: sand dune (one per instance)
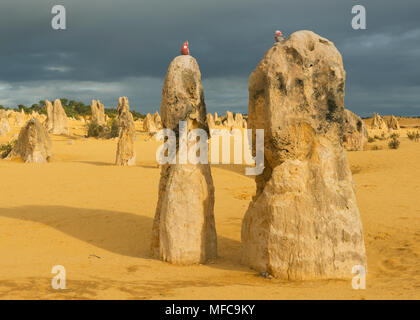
(94, 218)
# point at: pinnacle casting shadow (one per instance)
(126, 233)
(236, 168)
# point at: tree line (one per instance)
(73, 109)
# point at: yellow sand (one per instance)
(95, 219)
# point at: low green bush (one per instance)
(108, 131)
(413, 136)
(114, 129)
(394, 143)
(95, 130)
(394, 135)
(6, 148)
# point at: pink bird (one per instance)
(184, 49)
(278, 36)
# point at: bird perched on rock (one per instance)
(278, 36)
(185, 50)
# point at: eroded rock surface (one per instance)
(158, 121)
(56, 122)
(126, 155)
(355, 134)
(239, 121)
(98, 112)
(210, 121)
(33, 144)
(393, 123)
(149, 124)
(304, 221)
(4, 123)
(229, 122)
(18, 119)
(184, 228)
(378, 123)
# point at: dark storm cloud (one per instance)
(113, 48)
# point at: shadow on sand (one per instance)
(119, 232)
(109, 164)
(237, 168)
(97, 163)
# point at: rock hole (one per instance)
(282, 83)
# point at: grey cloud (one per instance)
(124, 48)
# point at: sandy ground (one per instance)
(95, 219)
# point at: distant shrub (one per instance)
(375, 148)
(137, 115)
(371, 139)
(70, 112)
(6, 148)
(108, 131)
(113, 128)
(381, 137)
(95, 130)
(394, 143)
(413, 136)
(111, 113)
(394, 135)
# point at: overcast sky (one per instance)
(114, 48)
